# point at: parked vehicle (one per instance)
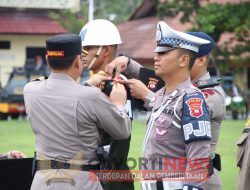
(234, 99)
(11, 96)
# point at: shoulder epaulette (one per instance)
(40, 79)
(208, 83)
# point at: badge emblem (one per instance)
(195, 107)
(152, 83)
(160, 131)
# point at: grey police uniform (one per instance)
(165, 141)
(243, 158)
(65, 118)
(215, 99)
(172, 125)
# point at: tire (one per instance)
(15, 116)
(235, 115)
(3, 116)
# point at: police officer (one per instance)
(243, 158)
(214, 94)
(66, 118)
(174, 115)
(215, 99)
(100, 39)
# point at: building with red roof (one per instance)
(24, 28)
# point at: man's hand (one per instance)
(120, 63)
(118, 95)
(137, 88)
(98, 78)
(15, 154)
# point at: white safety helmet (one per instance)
(100, 32)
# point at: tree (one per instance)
(120, 10)
(114, 10)
(72, 21)
(215, 19)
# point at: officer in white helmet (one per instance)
(99, 41)
(99, 38)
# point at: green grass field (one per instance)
(18, 135)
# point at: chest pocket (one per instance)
(162, 126)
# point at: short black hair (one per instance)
(191, 54)
(61, 63)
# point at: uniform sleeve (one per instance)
(216, 105)
(112, 119)
(27, 98)
(133, 69)
(148, 99)
(197, 134)
(215, 102)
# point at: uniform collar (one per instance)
(180, 88)
(206, 76)
(162, 97)
(60, 76)
(184, 84)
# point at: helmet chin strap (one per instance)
(95, 58)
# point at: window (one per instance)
(4, 44)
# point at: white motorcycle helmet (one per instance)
(100, 33)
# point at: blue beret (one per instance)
(64, 45)
(204, 49)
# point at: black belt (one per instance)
(246, 130)
(53, 164)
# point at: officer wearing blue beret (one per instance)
(66, 118)
(215, 99)
(178, 125)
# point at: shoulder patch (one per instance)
(208, 92)
(195, 107)
(195, 119)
